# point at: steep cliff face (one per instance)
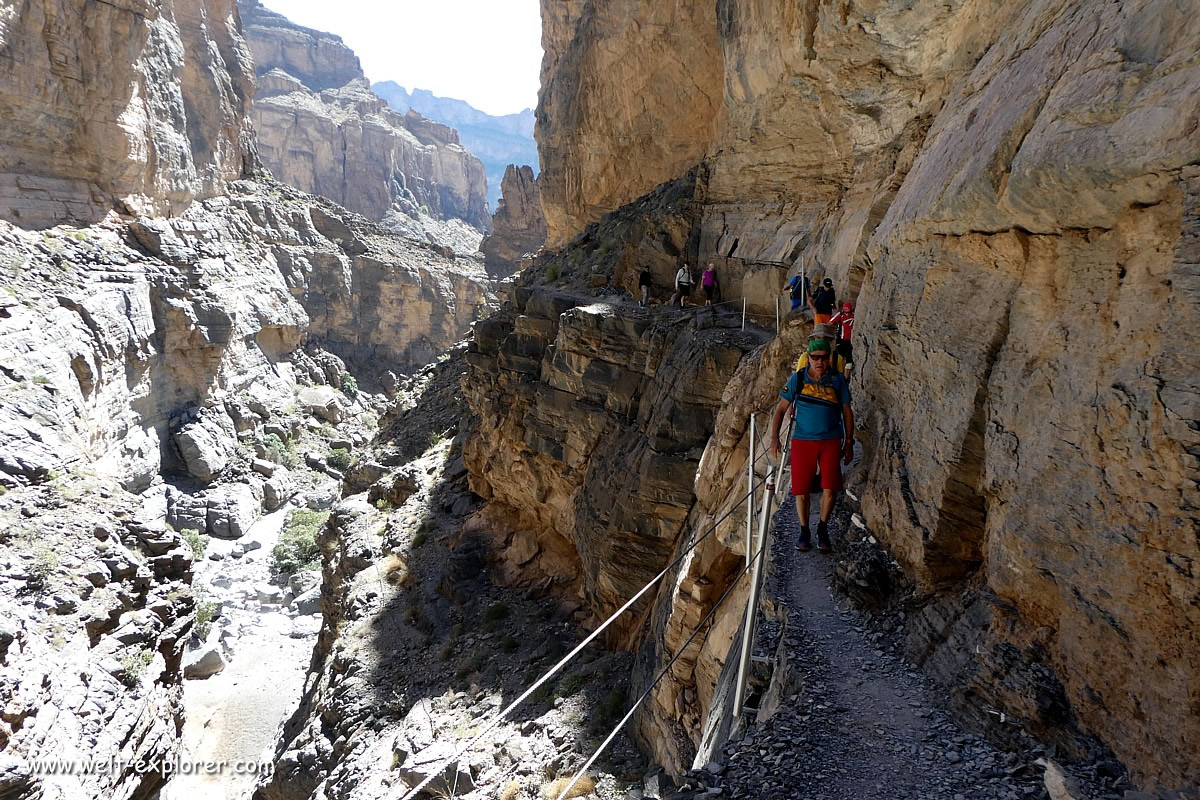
(322, 130)
(140, 105)
(625, 83)
(518, 226)
(1030, 462)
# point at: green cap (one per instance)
(818, 346)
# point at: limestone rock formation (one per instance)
(1009, 193)
(631, 97)
(518, 226)
(121, 327)
(321, 129)
(497, 141)
(78, 141)
(593, 418)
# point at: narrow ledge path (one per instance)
(862, 725)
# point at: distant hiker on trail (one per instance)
(822, 430)
(708, 281)
(683, 286)
(822, 331)
(843, 323)
(822, 302)
(798, 288)
(644, 282)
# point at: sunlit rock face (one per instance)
(519, 226)
(322, 130)
(95, 117)
(1008, 191)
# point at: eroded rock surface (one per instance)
(518, 226)
(321, 129)
(1008, 192)
(80, 140)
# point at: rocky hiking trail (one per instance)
(860, 723)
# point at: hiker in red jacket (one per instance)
(843, 323)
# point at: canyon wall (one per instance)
(518, 226)
(322, 130)
(139, 106)
(1031, 463)
(181, 307)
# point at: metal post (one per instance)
(739, 696)
(743, 313)
(777, 315)
(750, 493)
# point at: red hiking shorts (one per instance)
(805, 457)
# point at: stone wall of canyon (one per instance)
(322, 130)
(518, 226)
(139, 105)
(160, 300)
(1031, 463)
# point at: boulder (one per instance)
(278, 490)
(204, 437)
(308, 603)
(231, 511)
(203, 661)
(322, 402)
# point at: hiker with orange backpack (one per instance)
(822, 432)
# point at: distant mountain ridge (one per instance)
(497, 141)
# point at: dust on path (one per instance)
(864, 726)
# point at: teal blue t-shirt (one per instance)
(817, 406)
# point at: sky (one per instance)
(487, 52)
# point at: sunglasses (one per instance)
(818, 356)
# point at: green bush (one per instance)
(45, 564)
(553, 273)
(279, 451)
(509, 643)
(339, 458)
(496, 612)
(297, 549)
(134, 663)
(349, 385)
(569, 685)
(420, 539)
(206, 612)
(196, 540)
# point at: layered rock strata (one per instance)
(321, 129)
(518, 226)
(79, 141)
(1030, 463)
(592, 420)
(119, 327)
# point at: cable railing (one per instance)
(752, 566)
(503, 714)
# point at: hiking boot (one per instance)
(823, 543)
(805, 542)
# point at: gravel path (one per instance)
(863, 726)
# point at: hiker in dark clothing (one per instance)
(822, 431)
(644, 283)
(822, 302)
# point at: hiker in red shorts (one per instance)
(822, 431)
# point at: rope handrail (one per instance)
(629, 714)
(434, 773)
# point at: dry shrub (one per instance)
(583, 786)
(510, 790)
(394, 570)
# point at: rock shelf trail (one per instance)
(862, 724)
